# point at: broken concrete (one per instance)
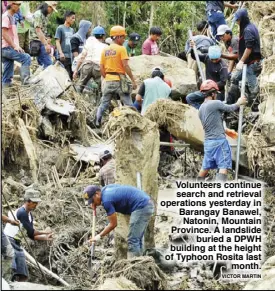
(175, 69)
(89, 154)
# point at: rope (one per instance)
(43, 275)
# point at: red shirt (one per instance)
(8, 21)
(150, 47)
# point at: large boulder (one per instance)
(267, 116)
(267, 282)
(175, 69)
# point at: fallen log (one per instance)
(29, 147)
(45, 270)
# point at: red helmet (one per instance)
(208, 85)
(168, 82)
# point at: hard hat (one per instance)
(209, 85)
(118, 31)
(168, 82)
(98, 30)
(222, 29)
(214, 52)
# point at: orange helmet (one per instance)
(208, 85)
(117, 31)
(168, 82)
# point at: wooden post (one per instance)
(29, 147)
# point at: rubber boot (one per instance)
(25, 75)
(221, 177)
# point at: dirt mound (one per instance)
(136, 150)
(142, 271)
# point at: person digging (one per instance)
(217, 151)
(127, 200)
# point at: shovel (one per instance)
(92, 248)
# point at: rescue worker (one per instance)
(250, 54)
(108, 168)
(232, 45)
(7, 251)
(127, 200)
(11, 51)
(216, 69)
(89, 60)
(114, 67)
(132, 43)
(150, 45)
(15, 236)
(217, 151)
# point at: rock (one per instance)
(200, 279)
(31, 286)
(49, 84)
(120, 283)
(267, 282)
(175, 69)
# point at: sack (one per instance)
(35, 46)
(125, 84)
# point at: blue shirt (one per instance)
(122, 199)
(23, 217)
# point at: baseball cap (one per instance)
(32, 195)
(222, 29)
(104, 154)
(52, 4)
(135, 37)
(89, 192)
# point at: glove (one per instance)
(239, 66)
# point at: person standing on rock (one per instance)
(114, 67)
(217, 151)
(250, 54)
(215, 14)
(11, 51)
(15, 233)
(150, 46)
(7, 251)
(127, 200)
(131, 44)
(39, 46)
(216, 69)
(63, 37)
(107, 172)
(89, 60)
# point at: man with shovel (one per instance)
(127, 200)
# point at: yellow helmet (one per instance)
(118, 31)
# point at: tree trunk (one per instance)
(124, 14)
(152, 15)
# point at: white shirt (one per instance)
(94, 48)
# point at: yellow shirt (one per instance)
(111, 58)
